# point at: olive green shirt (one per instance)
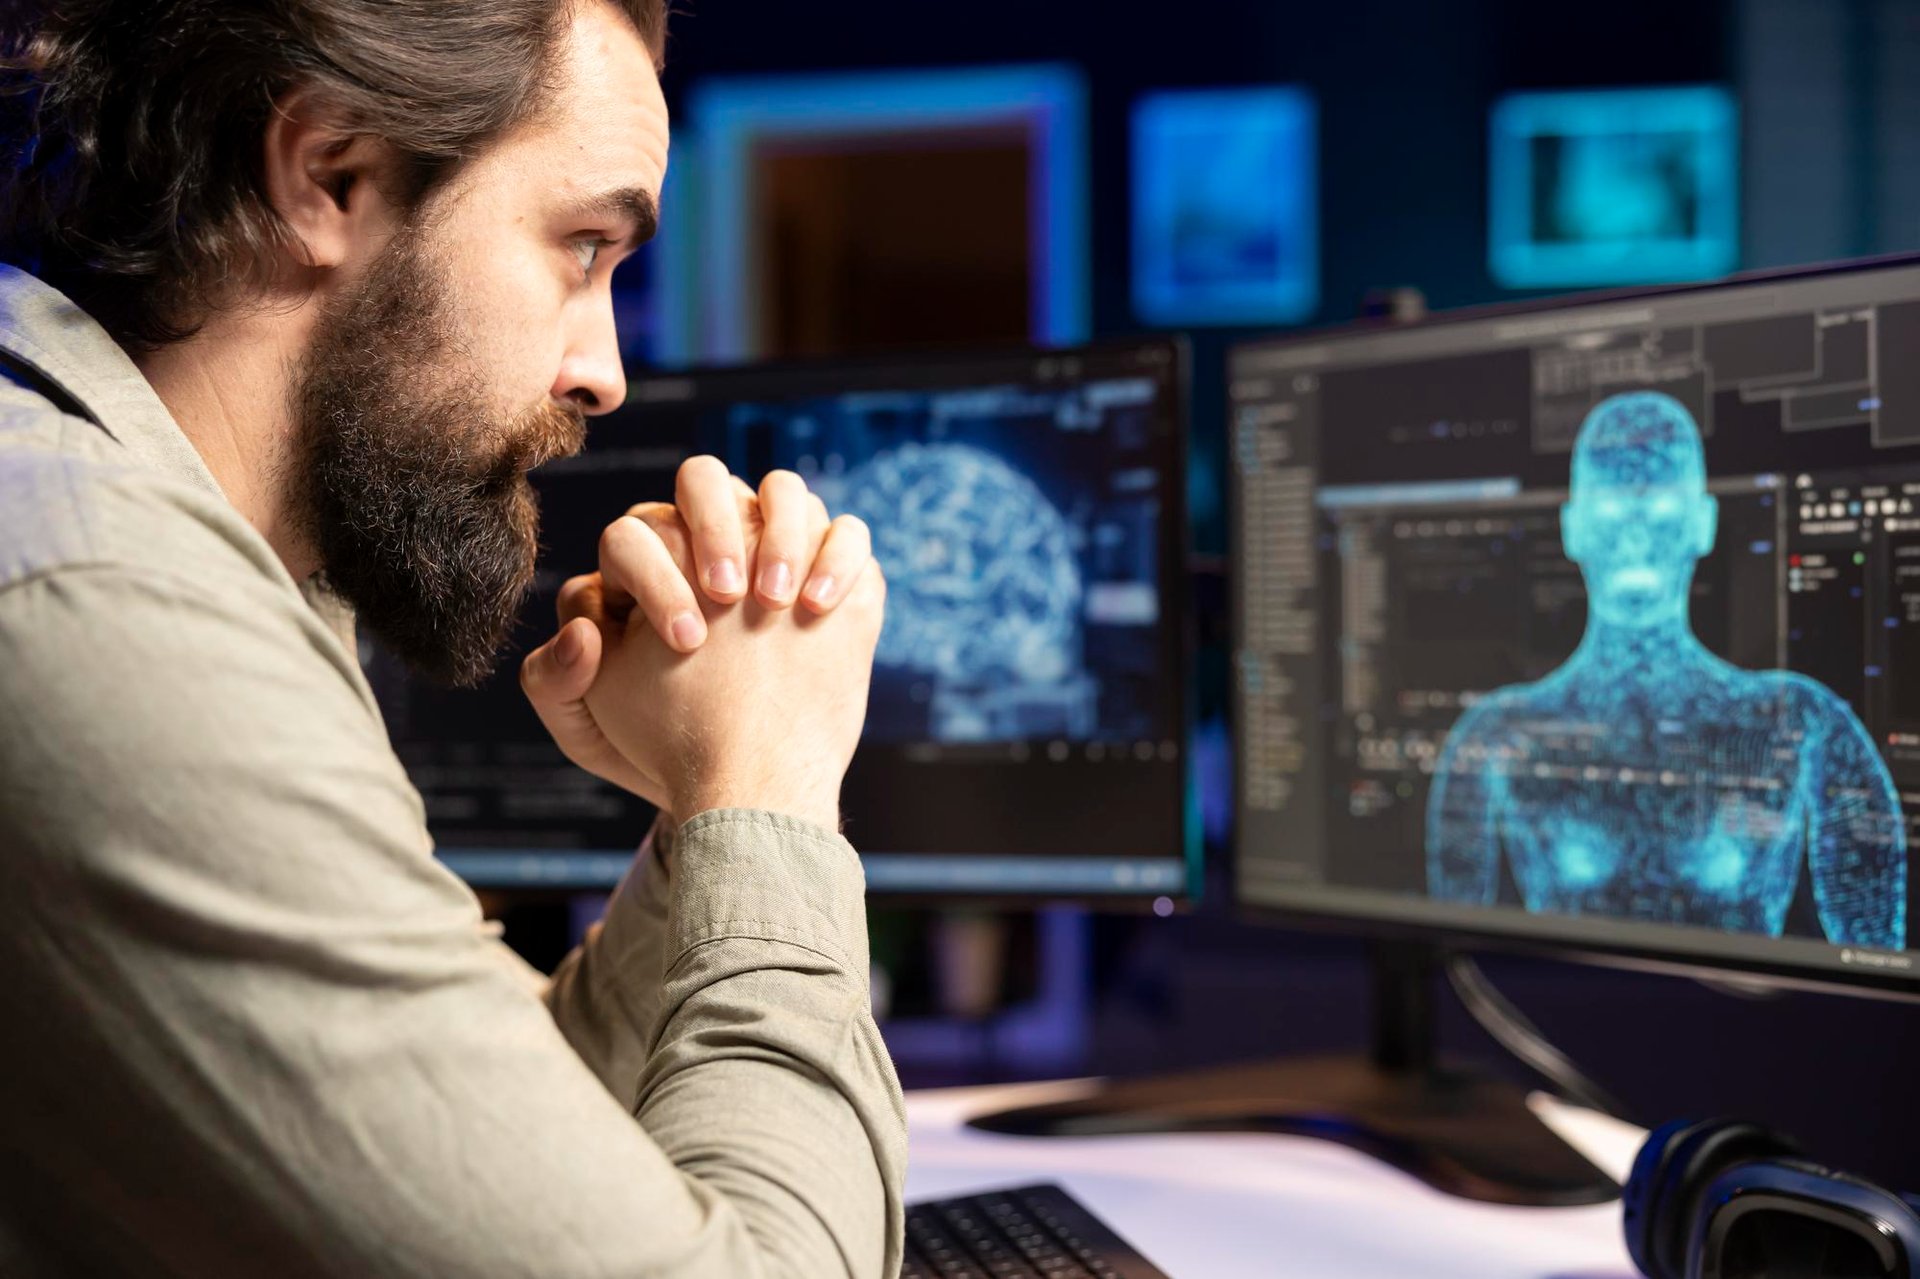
(253, 1027)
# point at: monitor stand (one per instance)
(1461, 1132)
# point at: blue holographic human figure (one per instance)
(1646, 778)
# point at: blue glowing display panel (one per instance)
(1225, 207)
(1595, 623)
(1692, 790)
(1027, 727)
(1020, 527)
(1614, 186)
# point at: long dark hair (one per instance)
(131, 130)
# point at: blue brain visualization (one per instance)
(1646, 778)
(1018, 527)
(985, 592)
(985, 578)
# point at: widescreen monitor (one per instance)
(1026, 732)
(1592, 625)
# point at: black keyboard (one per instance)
(1032, 1232)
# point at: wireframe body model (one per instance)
(1647, 778)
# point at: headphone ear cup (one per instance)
(1688, 1163)
(1639, 1197)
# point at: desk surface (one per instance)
(1223, 1206)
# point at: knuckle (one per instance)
(702, 468)
(656, 515)
(784, 531)
(667, 593)
(853, 526)
(870, 592)
(716, 530)
(677, 540)
(671, 532)
(574, 594)
(782, 482)
(617, 540)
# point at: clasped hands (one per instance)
(720, 655)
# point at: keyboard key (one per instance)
(1032, 1232)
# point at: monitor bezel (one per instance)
(1180, 377)
(1676, 960)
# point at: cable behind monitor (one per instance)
(1515, 1032)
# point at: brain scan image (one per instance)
(1646, 778)
(984, 593)
(984, 577)
(1019, 528)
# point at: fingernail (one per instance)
(568, 650)
(776, 580)
(724, 576)
(686, 630)
(820, 589)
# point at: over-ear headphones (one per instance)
(1726, 1199)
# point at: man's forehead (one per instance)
(605, 67)
(605, 127)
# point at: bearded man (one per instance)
(299, 290)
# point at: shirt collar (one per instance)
(42, 329)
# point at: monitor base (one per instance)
(1462, 1132)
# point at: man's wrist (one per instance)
(822, 813)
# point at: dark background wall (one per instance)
(1404, 88)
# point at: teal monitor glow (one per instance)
(1591, 625)
(1614, 186)
(1789, 773)
(1225, 207)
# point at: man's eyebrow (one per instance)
(633, 205)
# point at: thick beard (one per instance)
(406, 485)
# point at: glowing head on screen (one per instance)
(1639, 515)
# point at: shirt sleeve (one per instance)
(605, 995)
(269, 1033)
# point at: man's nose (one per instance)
(590, 373)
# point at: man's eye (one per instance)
(586, 250)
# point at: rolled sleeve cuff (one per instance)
(745, 873)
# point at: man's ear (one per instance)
(319, 178)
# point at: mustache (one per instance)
(552, 430)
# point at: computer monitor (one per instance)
(1026, 731)
(1592, 625)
